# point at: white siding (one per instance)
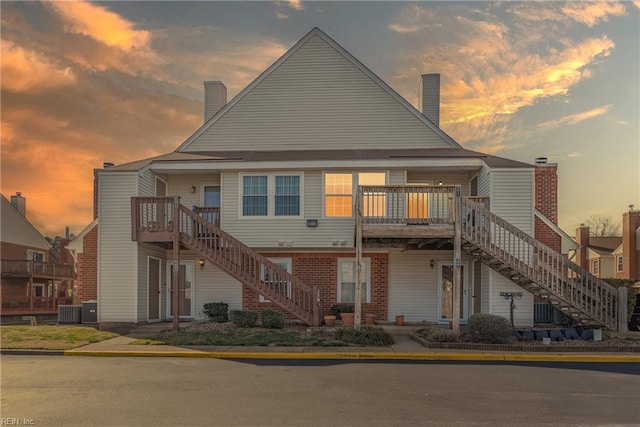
(267, 232)
(523, 313)
(117, 253)
(484, 182)
(317, 98)
(147, 184)
(180, 185)
(144, 251)
(512, 197)
(449, 178)
(17, 229)
(211, 285)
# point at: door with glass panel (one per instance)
(446, 299)
(211, 199)
(186, 300)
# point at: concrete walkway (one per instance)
(404, 348)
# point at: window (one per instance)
(594, 267)
(254, 195)
(339, 191)
(619, 263)
(287, 196)
(35, 255)
(271, 195)
(347, 280)
(280, 285)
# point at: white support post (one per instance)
(622, 309)
(357, 315)
(457, 259)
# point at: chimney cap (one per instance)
(541, 160)
(106, 165)
(18, 193)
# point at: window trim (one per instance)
(619, 264)
(355, 175)
(277, 260)
(271, 195)
(367, 270)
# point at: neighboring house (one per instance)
(612, 257)
(315, 167)
(84, 250)
(31, 283)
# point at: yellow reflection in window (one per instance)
(374, 203)
(418, 205)
(338, 190)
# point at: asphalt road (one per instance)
(103, 391)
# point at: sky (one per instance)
(87, 82)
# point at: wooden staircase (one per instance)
(537, 268)
(157, 219)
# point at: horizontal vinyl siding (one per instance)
(523, 313)
(144, 251)
(317, 99)
(211, 285)
(430, 177)
(147, 184)
(117, 266)
(484, 182)
(412, 287)
(512, 197)
(180, 185)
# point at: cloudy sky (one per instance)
(84, 83)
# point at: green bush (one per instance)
(436, 334)
(243, 318)
(272, 319)
(363, 336)
(489, 328)
(217, 311)
(337, 309)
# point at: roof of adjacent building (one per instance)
(604, 245)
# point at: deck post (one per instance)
(622, 309)
(30, 292)
(357, 317)
(457, 258)
(175, 270)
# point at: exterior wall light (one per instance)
(201, 262)
(432, 263)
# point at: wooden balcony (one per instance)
(36, 269)
(24, 305)
(406, 212)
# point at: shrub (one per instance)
(435, 334)
(272, 319)
(489, 328)
(244, 318)
(217, 311)
(337, 309)
(363, 336)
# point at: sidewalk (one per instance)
(403, 349)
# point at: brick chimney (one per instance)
(215, 97)
(630, 248)
(429, 97)
(546, 202)
(582, 238)
(20, 203)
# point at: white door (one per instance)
(186, 295)
(153, 289)
(445, 292)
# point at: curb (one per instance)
(370, 356)
(27, 352)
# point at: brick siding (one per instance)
(87, 268)
(546, 202)
(15, 251)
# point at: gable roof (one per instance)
(345, 54)
(604, 244)
(18, 229)
(567, 240)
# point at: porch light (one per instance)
(201, 262)
(193, 189)
(432, 263)
(440, 182)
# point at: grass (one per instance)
(241, 337)
(50, 337)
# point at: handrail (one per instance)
(548, 269)
(406, 204)
(229, 254)
(26, 267)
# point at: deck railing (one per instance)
(167, 215)
(550, 270)
(406, 204)
(26, 305)
(29, 268)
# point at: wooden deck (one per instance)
(23, 305)
(22, 268)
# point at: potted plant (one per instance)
(329, 320)
(400, 320)
(344, 312)
(369, 319)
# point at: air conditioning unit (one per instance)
(69, 313)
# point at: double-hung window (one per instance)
(271, 195)
(276, 283)
(339, 191)
(619, 264)
(347, 270)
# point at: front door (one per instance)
(186, 297)
(445, 293)
(153, 269)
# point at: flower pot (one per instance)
(329, 320)
(400, 320)
(347, 319)
(369, 319)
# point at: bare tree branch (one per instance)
(602, 226)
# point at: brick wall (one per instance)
(321, 269)
(630, 255)
(546, 202)
(87, 268)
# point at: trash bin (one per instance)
(89, 312)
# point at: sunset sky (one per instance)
(84, 83)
